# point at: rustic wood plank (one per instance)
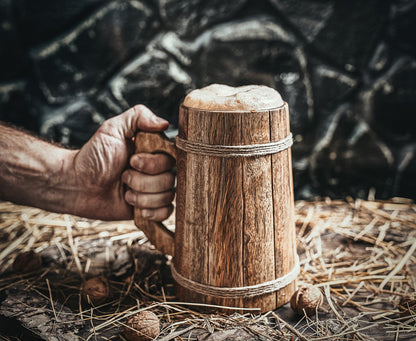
(181, 237)
(258, 250)
(224, 191)
(194, 262)
(285, 239)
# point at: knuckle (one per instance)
(137, 162)
(138, 109)
(131, 198)
(126, 177)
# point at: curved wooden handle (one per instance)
(156, 232)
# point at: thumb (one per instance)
(147, 120)
(137, 118)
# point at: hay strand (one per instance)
(361, 253)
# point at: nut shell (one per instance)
(96, 290)
(306, 300)
(27, 262)
(142, 326)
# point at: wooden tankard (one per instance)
(234, 241)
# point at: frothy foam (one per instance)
(227, 98)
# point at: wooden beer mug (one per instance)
(234, 242)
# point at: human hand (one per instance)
(109, 188)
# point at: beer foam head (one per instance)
(227, 98)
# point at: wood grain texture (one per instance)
(284, 229)
(156, 232)
(234, 222)
(192, 224)
(258, 256)
(224, 190)
(182, 239)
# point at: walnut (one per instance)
(142, 326)
(96, 290)
(27, 262)
(407, 306)
(306, 299)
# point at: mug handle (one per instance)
(156, 232)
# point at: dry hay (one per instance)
(360, 253)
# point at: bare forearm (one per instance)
(34, 172)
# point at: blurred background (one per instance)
(347, 68)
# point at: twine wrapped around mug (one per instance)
(234, 151)
(234, 292)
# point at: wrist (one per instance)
(53, 186)
(62, 189)
(77, 186)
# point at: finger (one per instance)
(152, 163)
(158, 214)
(145, 183)
(149, 200)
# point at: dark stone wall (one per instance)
(347, 68)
